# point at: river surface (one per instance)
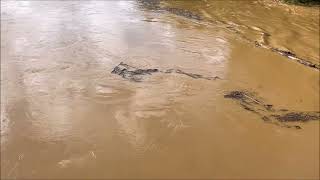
(64, 115)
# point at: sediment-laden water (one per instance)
(159, 89)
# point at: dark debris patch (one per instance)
(129, 72)
(235, 95)
(150, 4)
(268, 113)
(136, 74)
(155, 6)
(244, 98)
(184, 13)
(284, 53)
(290, 55)
(294, 57)
(192, 75)
(298, 116)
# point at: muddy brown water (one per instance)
(65, 115)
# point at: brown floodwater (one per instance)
(64, 115)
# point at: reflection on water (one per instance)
(64, 115)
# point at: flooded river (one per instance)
(65, 115)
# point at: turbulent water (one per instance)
(65, 115)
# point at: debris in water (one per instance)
(235, 95)
(289, 55)
(298, 116)
(184, 13)
(155, 5)
(293, 56)
(268, 114)
(132, 73)
(195, 76)
(135, 74)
